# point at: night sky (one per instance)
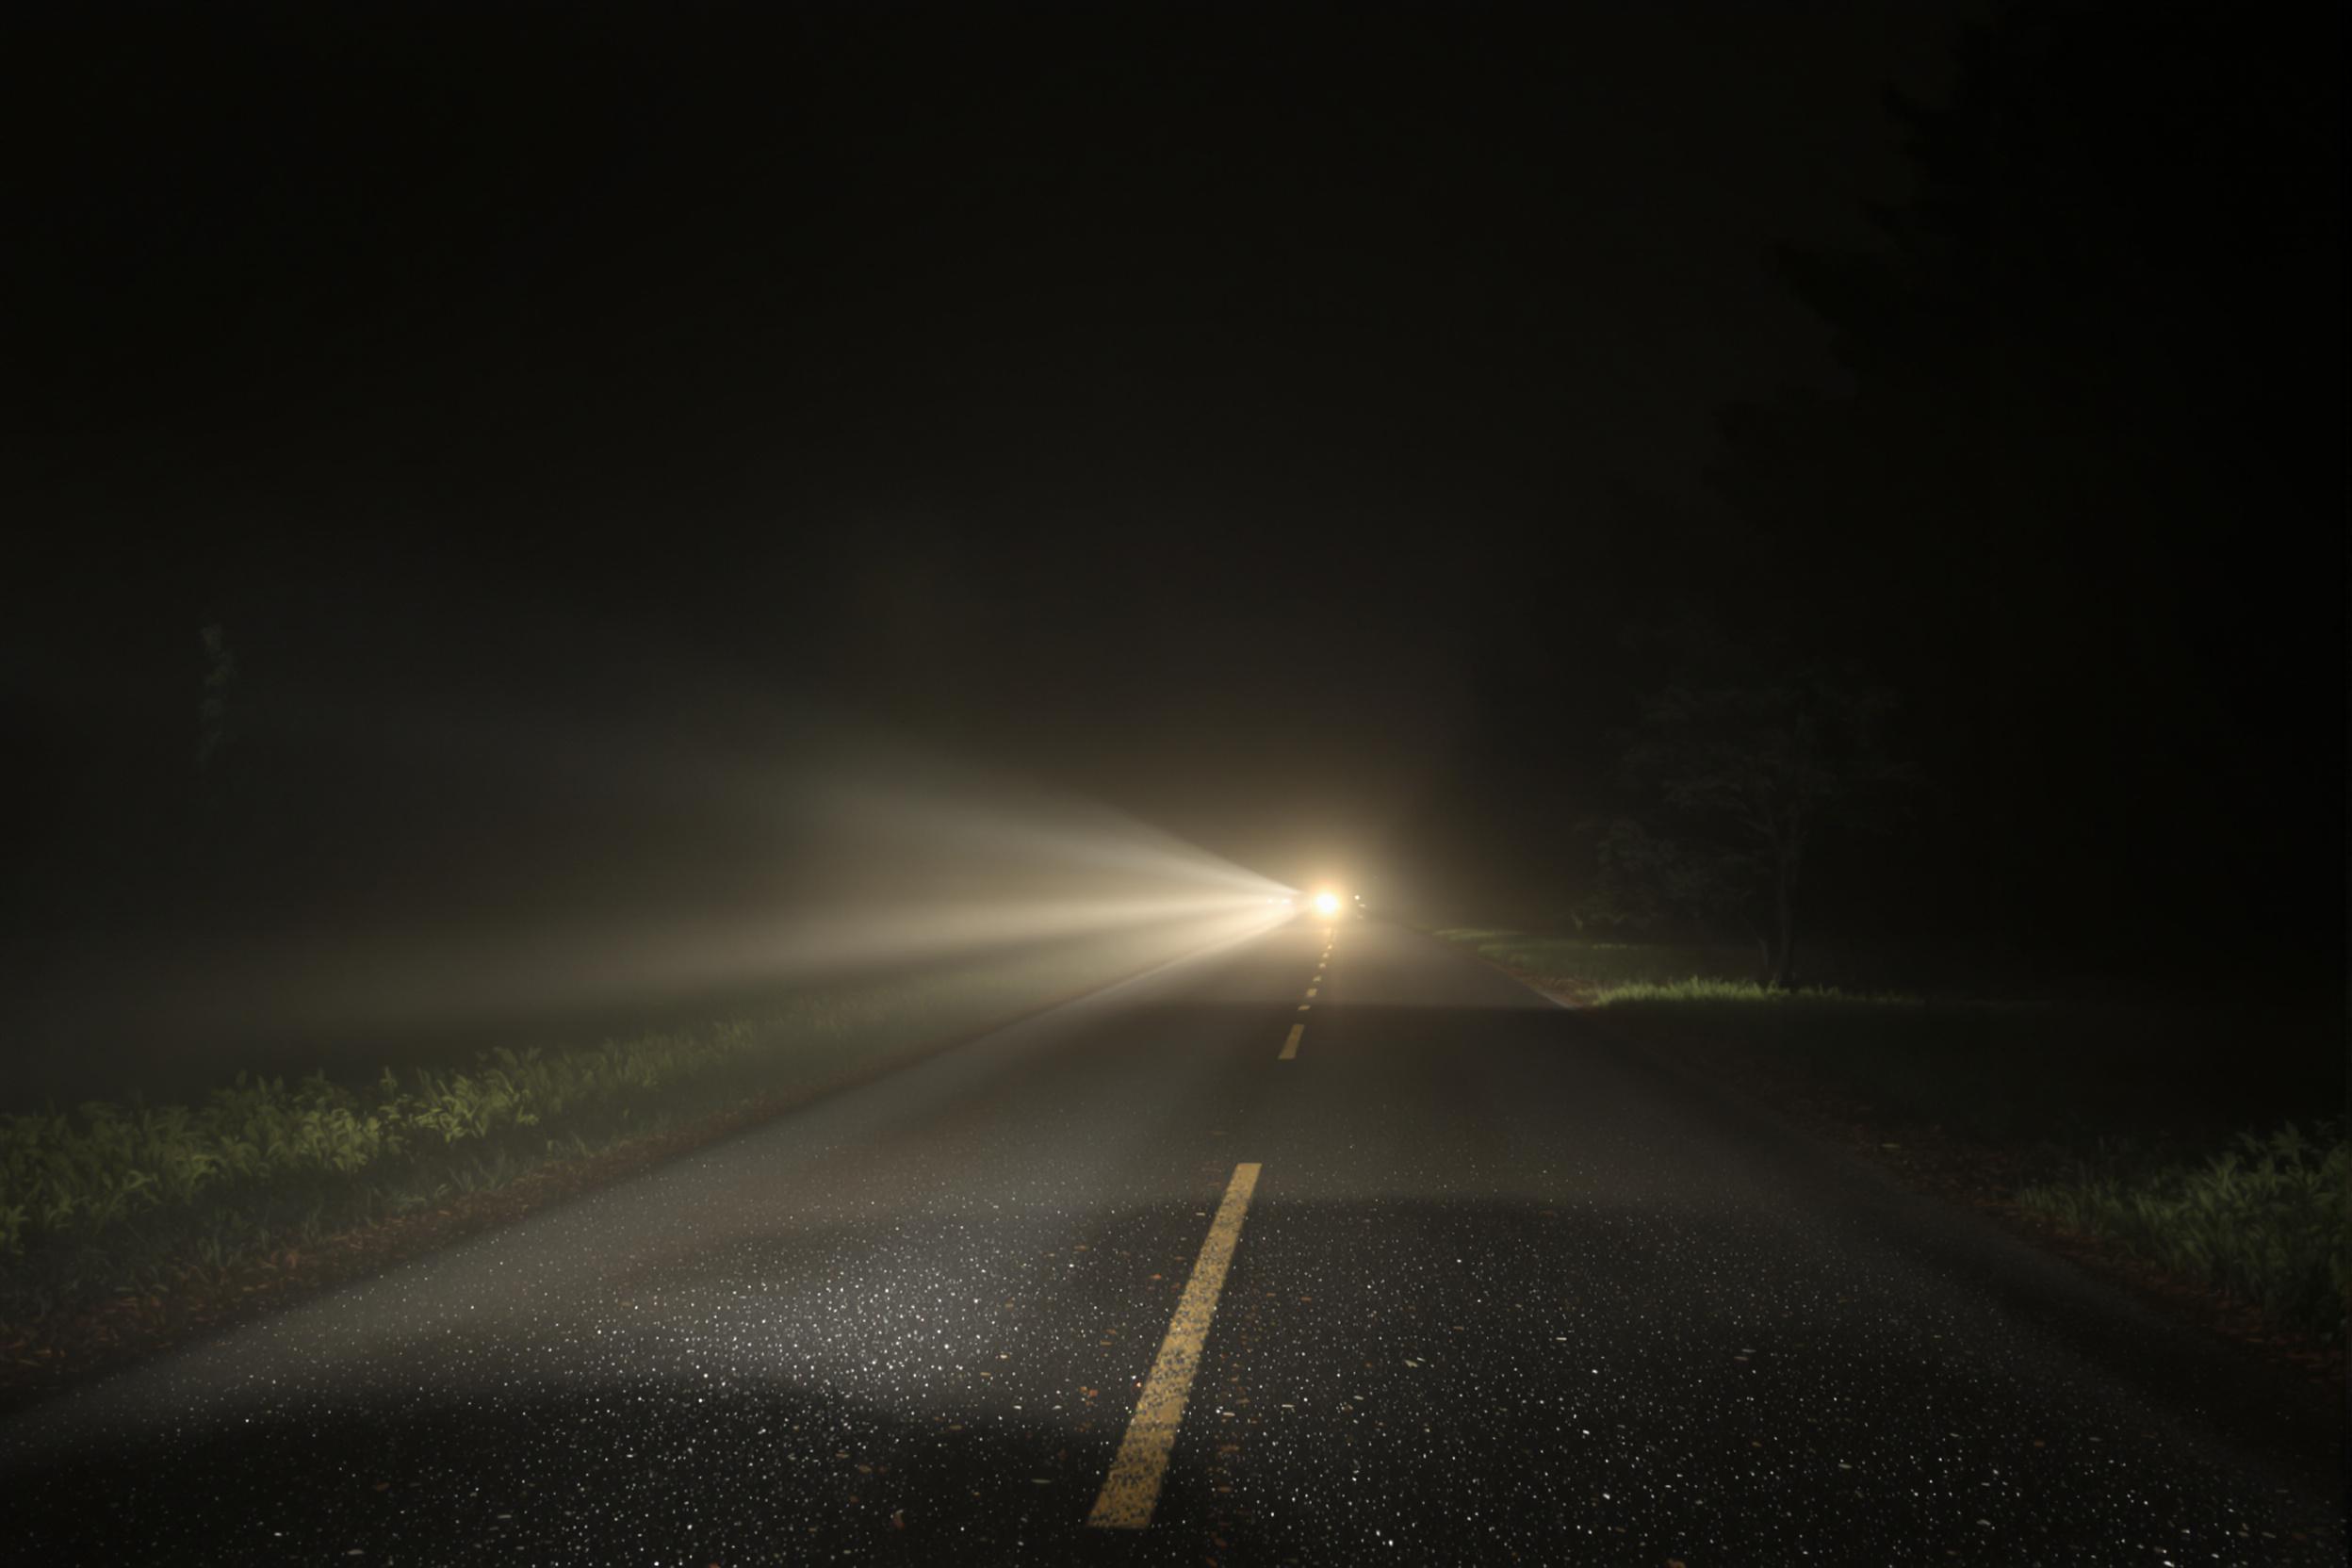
(1283, 423)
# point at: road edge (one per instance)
(2307, 1372)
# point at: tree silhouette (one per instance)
(1742, 783)
(2080, 497)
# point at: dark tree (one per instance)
(1741, 785)
(2081, 496)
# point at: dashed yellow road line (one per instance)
(1132, 1489)
(1310, 990)
(1290, 1045)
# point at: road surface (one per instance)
(1279, 1254)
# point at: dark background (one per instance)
(1313, 429)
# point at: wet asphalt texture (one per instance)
(1508, 1292)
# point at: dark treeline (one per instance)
(2079, 506)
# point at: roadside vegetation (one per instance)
(2207, 1140)
(2264, 1218)
(108, 1200)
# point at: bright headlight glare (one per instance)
(1327, 904)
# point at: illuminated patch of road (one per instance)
(1132, 1489)
(1290, 1045)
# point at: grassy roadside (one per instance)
(123, 1224)
(2207, 1143)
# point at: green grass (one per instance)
(2265, 1220)
(1923, 969)
(1572, 958)
(2179, 1123)
(106, 1199)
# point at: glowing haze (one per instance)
(643, 873)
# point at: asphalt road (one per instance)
(1501, 1291)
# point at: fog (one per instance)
(427, 882)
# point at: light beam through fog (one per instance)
(718, 880)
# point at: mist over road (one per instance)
(1399, 1262)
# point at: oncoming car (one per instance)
(1330, 903)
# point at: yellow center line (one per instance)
(1310, 990)
(1133, 1488)
(1303, 1006)
(1290, 1045)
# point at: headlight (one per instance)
(1327, 905)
